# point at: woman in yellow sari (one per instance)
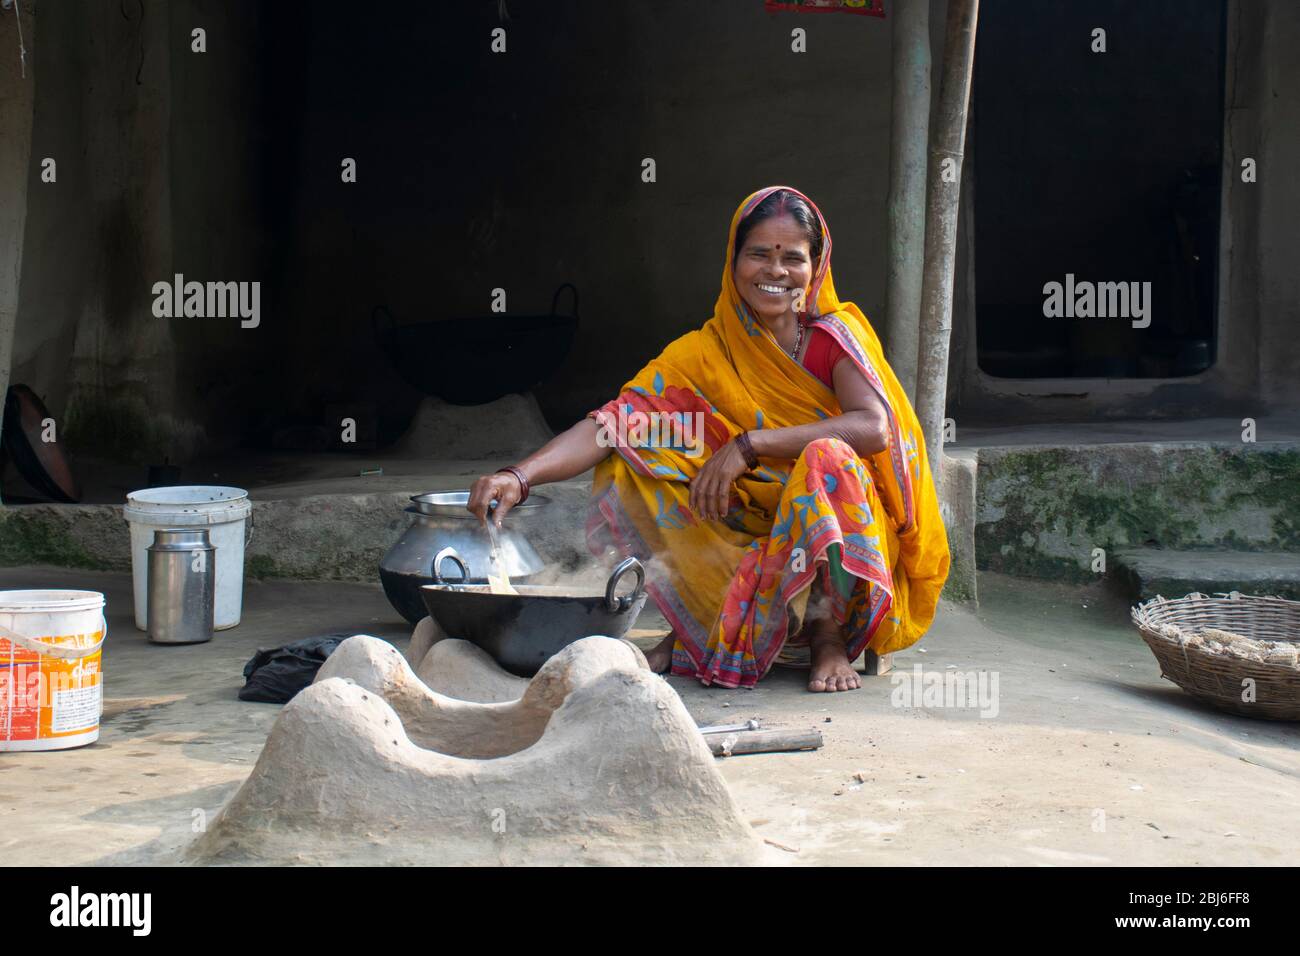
(770, 472)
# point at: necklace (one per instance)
(798, 341)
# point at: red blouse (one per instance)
(822, 355)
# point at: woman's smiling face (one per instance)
(774, 268)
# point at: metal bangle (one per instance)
(520, 477)
(746, 449)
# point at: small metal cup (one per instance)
(182, 586)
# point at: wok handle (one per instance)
(441, 556)
(555, 299)
(617, 605)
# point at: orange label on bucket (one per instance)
(45, 697)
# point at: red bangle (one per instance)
(520, 477)
(747, 449)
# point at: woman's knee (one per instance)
(826, 446)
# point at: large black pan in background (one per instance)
(471, 361)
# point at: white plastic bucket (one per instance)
(223, 511)
(51, 674)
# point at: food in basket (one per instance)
(1225, 642)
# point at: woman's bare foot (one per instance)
(831, 668)
(660, 658)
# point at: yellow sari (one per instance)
(736, 590)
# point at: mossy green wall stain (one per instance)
(260, 566)
(955, 589)
(122, 425)
(28, 540)
(322, 565)
(1276, 485)
(1171, 498)
(115, 428)
(1057, 505)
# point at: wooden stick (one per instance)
(763, 741)
(909, 133)
(947, 145)
(877, 665)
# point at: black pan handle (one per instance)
(450, 553)
(618, 605)
(555, 299)
(382, 312)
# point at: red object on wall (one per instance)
(866, 8)
(42, 463)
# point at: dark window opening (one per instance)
(1103, 167)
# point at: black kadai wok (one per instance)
(522, 631)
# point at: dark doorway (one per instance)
(1103, 167)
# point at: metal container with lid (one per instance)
(440, 520)
(182, 586)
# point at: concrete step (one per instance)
(321, 530)
(1147, 572)
(1041, 511)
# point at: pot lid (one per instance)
(181, 539)
(452, 503)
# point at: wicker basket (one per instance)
(1262, 643)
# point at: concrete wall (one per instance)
(17, 93)
(1041, 511)
(1268, 107)
(226, 183)
(99, 236)
(520, 171)
(153, 156)
(1258, 352)
(475, 172)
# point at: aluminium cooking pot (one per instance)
(522, 631)
(438, 520)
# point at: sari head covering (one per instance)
(736, 590)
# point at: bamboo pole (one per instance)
(909, 133)
(942, 203)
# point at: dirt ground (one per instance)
(1090, 758)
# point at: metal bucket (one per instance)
(182, 586)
